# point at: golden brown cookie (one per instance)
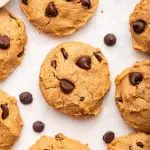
(133, 95)
(10, 121)
(60, 142)
(59, 17)
(12, 42)
(74, 78)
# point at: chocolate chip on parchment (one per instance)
(86, 3)
(139, 26)
(140, 144)
(38, 126)
(26, 98)
(25, 2)
(66, 86)
(65, 54)
(54, 63)
(5, 111)
(51, 10)
(4, 42)
(108, 137)
(135, 78)
(97, 55)
(110, 39)
(84, 62)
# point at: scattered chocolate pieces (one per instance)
(38, 126)
(110, 39)
(108, 137)
(65, 54)
(139, 26)
(54, 63)
(25, 2)
(86, 3)
(5, 110)
(140, 144)
(26, 98)
(97, 55)
(51, 10)
(4, 42)
(135, 78)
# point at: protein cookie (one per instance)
(59, 17)
(140, 26)
(12, 42)
(60, 142)
(133, 95)
(74, 78)
(10, 121)
(135, 141)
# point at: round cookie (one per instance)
(135, 141)
(10, 121)
(74, 78)
(12, 42)
(133, 95)
(60, 142)
(140, 27)
(59, 17)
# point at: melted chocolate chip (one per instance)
(110, 39)
(51, 10)
(26, 98)
(4, 42)
(38, 126)
(135, 78)
(65, 54)
(108, 137)
(54, 63)
(66, 86)
(139, 26)
(25, 2)
(84, 62)
(86, 3)
(140, 144)
(5, 110)
(97, 55)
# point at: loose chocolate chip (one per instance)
(51, 10)
(108, 137)
(26, 98)
(86, 3)
(96, 54)
(84, 62)
(140, 144)
(119, 99)
(110, 39)
(25, 2)
(82, 98)
(4, 42)
(66, 86)
(135, 78)
(38, 126)
(65, 54)
(139, 26)
(54, 63)
(5, 110)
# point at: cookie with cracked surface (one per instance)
(134, 141)
(60, 142)
(140, 26)
(12, 42)
(133, 95)
(74, 78)
(10, 121)
(59, 17)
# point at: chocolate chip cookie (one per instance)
(133, 95)
(10, 121)
(12, 42)
(135, 141)
(59, 17)
(140, 26)
(74, 78)
(60, 142)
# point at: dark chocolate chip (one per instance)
(5, 110)
(26, 98)
(54, 63)
(108, 137)
(51, 10)
(82, 98)
(38, 126)
(110, 39)
(140, 144)
(130, 147)
(4, 42)
(65, 54)
(66, 86)
(86, 3)
(25, 2)
(20, 54)
(135, 78)
(84, 62)
(119, 99)
(59, 137)
(139, 26)
(68, 0)
(97, 55)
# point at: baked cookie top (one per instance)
(59, 17)
(133, 95)
(60, 142)
(74, 78)
(12, 42)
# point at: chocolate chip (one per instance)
(20, 54)
(97, 55)
(86, 3)
(135, 78)
(26, 98)
(5, 110)
(66, 86)
(119, 99)
(140, 144)
(84, 62)
(54, 63)
(110, 39)
(82, 98)
(68, 0)
(25, 2)
(130, 147)
(59, 137)
(51, 10)
(4, 42)
(139, 26)
(108, 137)
(65, 54)
(38, 126)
